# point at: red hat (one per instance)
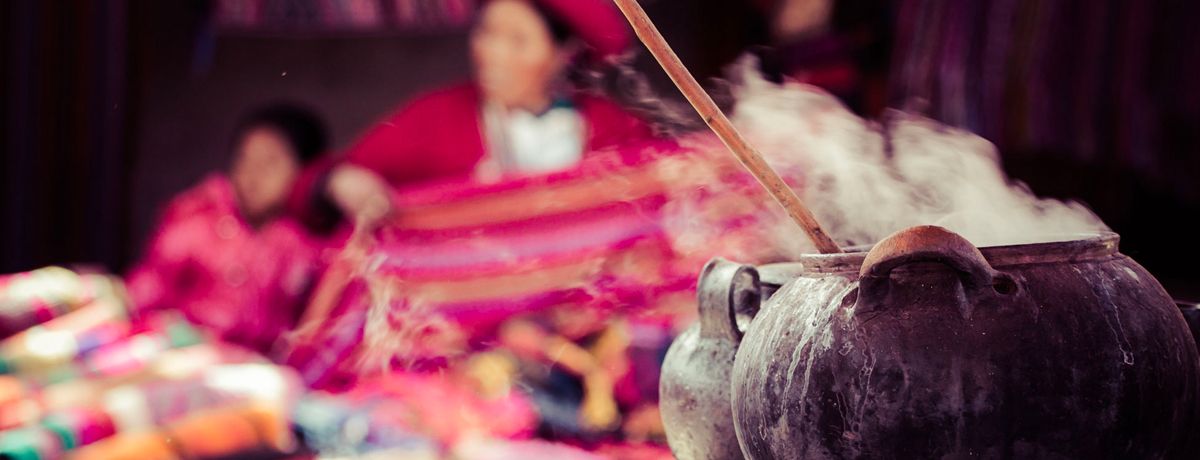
(597, 22)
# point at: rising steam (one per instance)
(865, 180)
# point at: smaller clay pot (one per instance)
(694, 387)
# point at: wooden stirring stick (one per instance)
(745, 153)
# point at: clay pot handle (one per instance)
(725, 290)
(916, 245)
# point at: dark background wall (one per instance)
(63, 173)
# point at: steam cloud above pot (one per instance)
(866, 179)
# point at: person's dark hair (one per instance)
(302, 127)
(560, 31)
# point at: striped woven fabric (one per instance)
(614, 236)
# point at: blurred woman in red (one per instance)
(224, 253)
(520, 115)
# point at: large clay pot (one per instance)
(694, 386)
(928, 348)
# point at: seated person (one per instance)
(224, 254)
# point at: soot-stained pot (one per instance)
(929, 348)
(694, 386)
(1191, 313)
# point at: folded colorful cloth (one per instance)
(155, 403)
(80, 426)
(31, 443)
(222, 432)
(137, 351)
(409, 411)
(119, 356)
(35, 297)
(45, 349)
(342, 426)
(526, 450)
(213, 433)
(55, 435)
(131, 446)
(180, 384)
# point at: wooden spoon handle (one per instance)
(745, 153)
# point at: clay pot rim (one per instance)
(1064, 249)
